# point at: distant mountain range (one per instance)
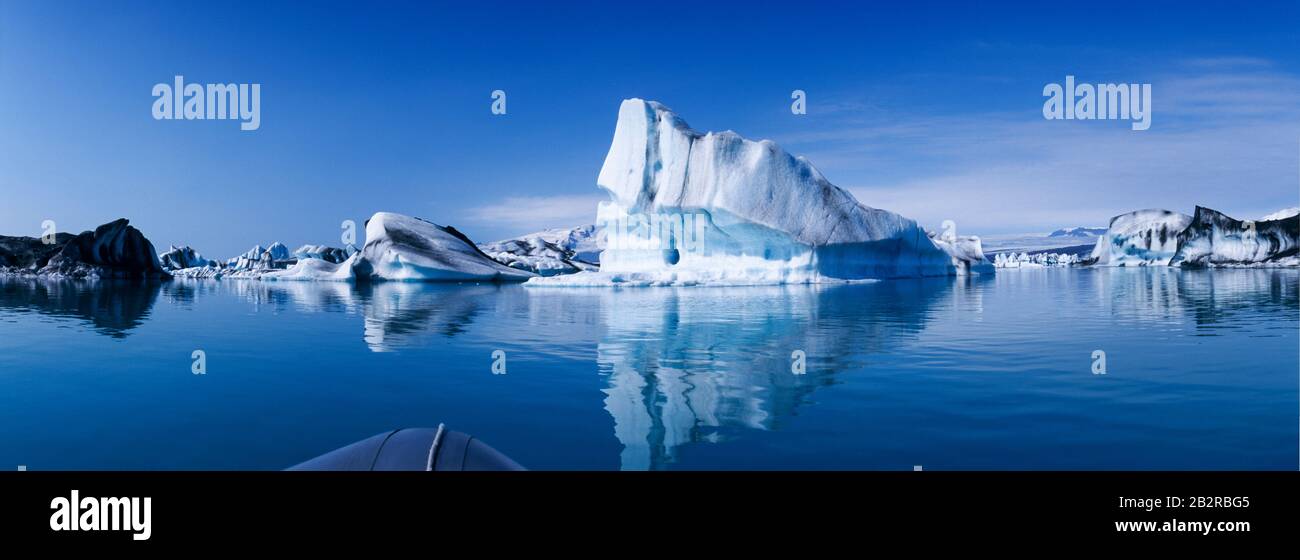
(1078, 232)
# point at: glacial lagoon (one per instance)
(1202, 369)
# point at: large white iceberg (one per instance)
(708, 208)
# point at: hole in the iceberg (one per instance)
(671, 256)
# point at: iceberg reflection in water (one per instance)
(950, 373)
(109, 307)
(684, 363)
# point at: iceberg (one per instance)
(253, 264)
(966, 252)
(278, 251)
(402, 248)
(258, 258)
(690, 208)
(1214, 239)
(276, 262)
(250, 260)
(331, 254)
(178, 258)
(1141, 238)
(212, 271)
(535, 255)
(1208, 238)
(313, 269)
(550, 252)
(1034, 260)
(583, 243)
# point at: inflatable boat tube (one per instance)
(413, 449)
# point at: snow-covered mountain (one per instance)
(1079, 231)
(1280, 214)
(688, 208)
(1033, 243)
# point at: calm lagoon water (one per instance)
(980, 373)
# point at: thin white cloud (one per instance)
(525, 214)
(1224, 135)
(1234, 62)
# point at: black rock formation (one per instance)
(29, 254)
(113, 250)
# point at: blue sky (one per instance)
(930, 110)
